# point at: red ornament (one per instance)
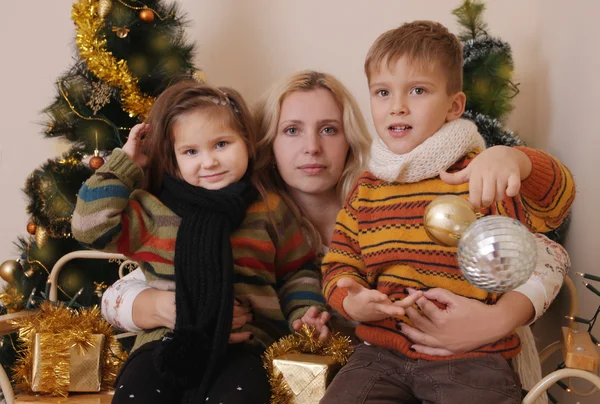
(31, 228)
(147, 15)
(96, 162)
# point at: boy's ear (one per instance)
(459, 101)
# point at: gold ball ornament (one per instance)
(147, 15)
(10, 270)
(31, 228)
(446, 219)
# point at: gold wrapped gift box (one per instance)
(84, 365)
(306, 375)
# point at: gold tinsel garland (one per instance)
(70, 328)
(12, 299)
(92, 49)
(304, 341)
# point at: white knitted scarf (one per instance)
(437, 153)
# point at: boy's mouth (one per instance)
(398, 130)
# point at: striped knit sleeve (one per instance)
(109, 214)
(344, 257)
(548, 193)
(298, 276)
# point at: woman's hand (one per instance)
(464, 324)
(241, 316)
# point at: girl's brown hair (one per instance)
(184, 97)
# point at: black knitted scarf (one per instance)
(203, 281)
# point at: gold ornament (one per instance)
(121, 32)
(92, 50)
(337, 348)
(70, 329)
(31, 227)
(41, 237)
(11, 270)
(104, 7)
(101, 93)
(446, 218)
(146, 15)
(199, 76)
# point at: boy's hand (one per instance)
(364, 304)
(494, 174)
(133, 146)
(316, 319)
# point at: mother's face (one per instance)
(310, 147)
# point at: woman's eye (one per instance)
(418, 90)
(220, 145)
(291, 131)
(329, 130)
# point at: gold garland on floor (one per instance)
(304, 341)
(12, 299)
(69, 328)
(92, 49)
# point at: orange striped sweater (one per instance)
(380, 242)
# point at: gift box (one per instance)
(306, 375)
(79, 366)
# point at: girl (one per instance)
(197, 221)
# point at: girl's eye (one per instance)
(382, 93)
(221, 144)
(191, 152)
(291, 131)
(418, 90)
(329, 130)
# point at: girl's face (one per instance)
(310, 148)
(209, 153)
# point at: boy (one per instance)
(380, 248)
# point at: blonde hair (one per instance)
(267, 113)
(428, 43)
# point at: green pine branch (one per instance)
(470, 17)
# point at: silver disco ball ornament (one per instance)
(497, 253)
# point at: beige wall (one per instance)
(248, 44)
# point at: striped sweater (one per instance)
(274, 268)
(380, 242)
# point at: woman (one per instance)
(312, 145)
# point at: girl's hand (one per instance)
(241, 316)
(133, 146)
(316, 319)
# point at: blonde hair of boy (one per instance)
(427, 43)
(267, 113)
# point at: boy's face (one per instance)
(409, 104)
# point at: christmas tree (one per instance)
(487, 82)
(128, 52)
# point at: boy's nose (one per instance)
(398, 107)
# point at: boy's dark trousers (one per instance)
(377, 375)
(240, 378)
